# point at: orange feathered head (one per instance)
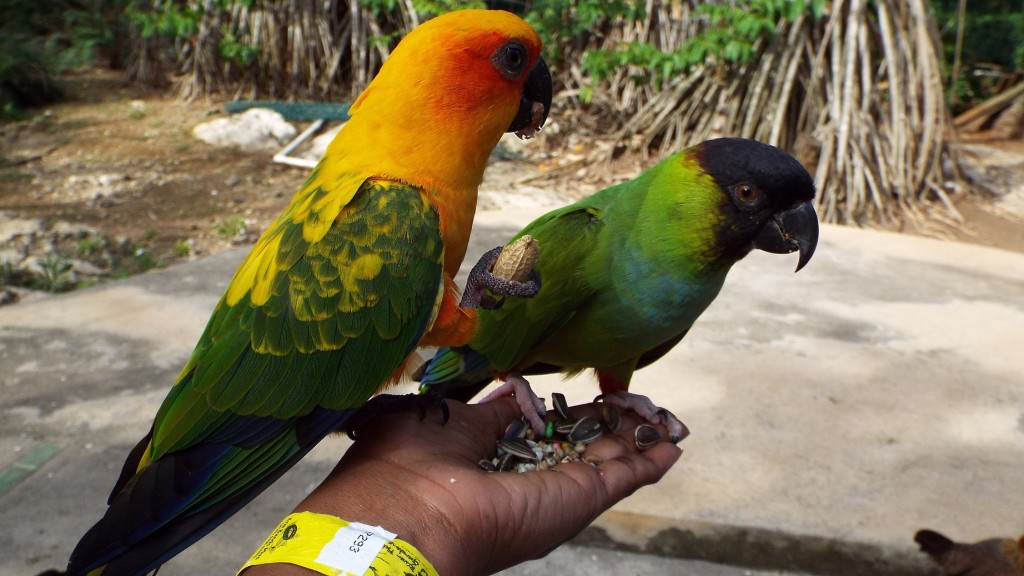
(442, 100)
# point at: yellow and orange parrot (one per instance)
(335, 295)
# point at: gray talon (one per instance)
(612, 417)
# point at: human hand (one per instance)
(420, 479)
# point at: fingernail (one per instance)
(682, 435)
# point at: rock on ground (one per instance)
(253, 130)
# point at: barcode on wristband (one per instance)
(354, 547)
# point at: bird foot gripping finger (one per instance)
(643, 407)
(502, 271)
(389, 403)
(531, 405)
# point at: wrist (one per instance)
(310, 542)
(394, 501)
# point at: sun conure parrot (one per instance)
(624, 273)
(336, 293)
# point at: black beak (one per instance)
(535, 102)
(792, 230)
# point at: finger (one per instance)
(624, 475)
(623, 466)
(628, 420)
(614, 479)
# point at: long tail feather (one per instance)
(178, 499)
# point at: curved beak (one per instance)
(535, 103)
(789, 231)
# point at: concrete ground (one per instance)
(833, 413)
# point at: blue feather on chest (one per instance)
(661, 299)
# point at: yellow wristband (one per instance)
(332, 546)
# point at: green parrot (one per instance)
(626, 272)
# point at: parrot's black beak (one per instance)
(535, 102)
(789, 231)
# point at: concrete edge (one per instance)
(751, 547)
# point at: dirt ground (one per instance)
(115, 178)
(124, 162)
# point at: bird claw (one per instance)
(530, 404)
(388, 403)
(484, 289)
(643, 407)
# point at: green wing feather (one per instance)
(567, 238)
(342, 313)
(319, 315)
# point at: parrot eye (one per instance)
(748, 195)
(511, 59)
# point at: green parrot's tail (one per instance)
(461, 373)
(458, 373)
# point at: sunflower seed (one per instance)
(560, 405)
(518, 448)
(506, 462)
(564, 426)
(586, 430)
(488, 465)
(646, 436)
(516, 429)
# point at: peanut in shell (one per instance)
(517, 259)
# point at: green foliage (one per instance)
(229, 228)
(183, 249)
(90, 245)
(11, 275)
(993, 33)
(424, 8)
(169, 19)
(428, 8)
(993, 41)
(560, 23)
(179, 22)
(144, 260)
(729, 37)
(53, 269)
(90, 31)
(25, 68)
(41, 39)
(233, 49)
